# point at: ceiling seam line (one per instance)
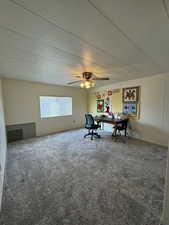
(60, 50)
(123, 33)
(12, 59)
(51, 59)
(64, 30)
(29, 61)
(51, 46)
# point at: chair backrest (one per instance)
(125, 124)
(89, 120)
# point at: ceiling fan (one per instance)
(87, 80)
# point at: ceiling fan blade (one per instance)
(76, 75)
(73, 82)
(101, 78)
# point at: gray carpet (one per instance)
(64, 179)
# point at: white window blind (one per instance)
(55, 106)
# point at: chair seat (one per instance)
(95, 126)
(119, 128)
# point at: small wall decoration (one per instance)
(109, 92)
(104, 94)
(98, 95)
(100, 106)
(130, 95)
(107, 105)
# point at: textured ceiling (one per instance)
(49, 40)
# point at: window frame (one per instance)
(48, 117)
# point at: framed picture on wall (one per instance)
(130, 95)
(130, 109)
(100, 106)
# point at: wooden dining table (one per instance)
(108, 120)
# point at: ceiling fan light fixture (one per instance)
(93, 84)
(82, 85)
(87, 80)
(87, 84)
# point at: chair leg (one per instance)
(114, 132)
(93, 134)
(89, 133)
(86, 135)
(121, 137)
(96, 135)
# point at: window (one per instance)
(55, 106)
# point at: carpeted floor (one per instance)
(64, 179)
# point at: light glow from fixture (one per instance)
(87, 84)
(93, 84)
(82, 85)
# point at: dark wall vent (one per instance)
(22, 131)
(14, 135)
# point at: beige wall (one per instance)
(153, 125)
(117, 105)
(2, 145)
(91, 102)
(21, 104)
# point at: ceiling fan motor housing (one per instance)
(87, 75)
